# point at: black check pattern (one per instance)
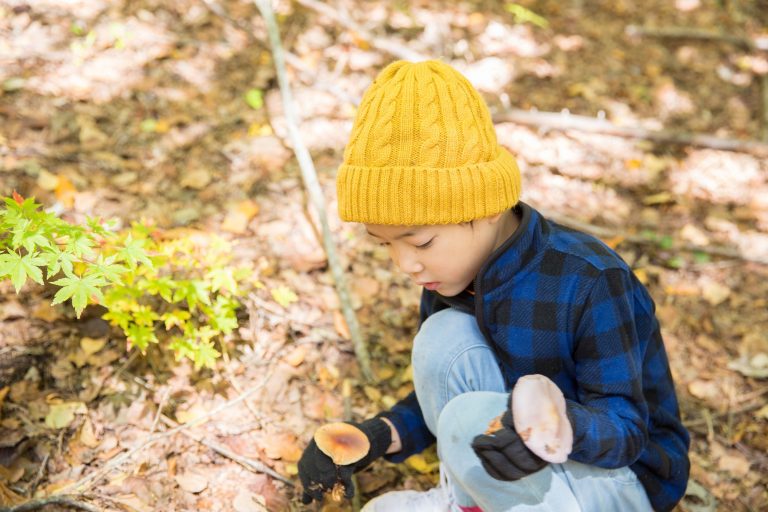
(560, 303)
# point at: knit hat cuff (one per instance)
(413, 196)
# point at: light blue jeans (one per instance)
(460, 389)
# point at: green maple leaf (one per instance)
(79, 243)
(284, 296)
(145, 315)
(203, 352)
(194, 291)
(181, 348)
(117, 317)
(222, 279)
(133, 252)
(56, 260)
(205, 355)
(222, 314)
(79, 289)
(177, 317)
(27, 209)
(21, 267)
(26, 235)
(140, 336)
(162, 286)
(108, 268)
(100, 227)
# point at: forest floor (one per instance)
(136, 110)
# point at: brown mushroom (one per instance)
(538, 410)
(343, 443)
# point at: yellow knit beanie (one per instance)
(423, 150)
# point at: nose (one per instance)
(407, 261)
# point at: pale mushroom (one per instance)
(538, 409)
(343, 443)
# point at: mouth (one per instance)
(431, 286)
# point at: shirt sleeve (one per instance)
(408, 420)
(611, 415)
(406, 415)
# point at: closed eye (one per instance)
(425, 245)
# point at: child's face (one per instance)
(444, 258)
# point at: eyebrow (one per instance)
(398, 237)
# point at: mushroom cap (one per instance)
(538, 411)
(342, 442)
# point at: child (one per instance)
(506, 294)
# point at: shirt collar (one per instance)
(516, 252)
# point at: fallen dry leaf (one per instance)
(282, 446)
(12, 310)
(735, 463)
(703, 389)
(239, 216)
(196, 179)
(297, 355)
(92, 345)
(192, 481)
(44, 311)
(247, 501)
(713, 292)
(87, 434)
(340, 323)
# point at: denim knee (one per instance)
(442, 334)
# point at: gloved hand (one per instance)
(504, 454)
(318, 473)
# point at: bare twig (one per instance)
(393, 48)
(707, 35)
(275, 311)
(245, 461)
(160, 409)
(309, 176)
(230, 376)
(90, 479)
(695, 33)
(40, 473)
(606, 233)
(750, 406)
(764, 120)
(559, 121)
(66, 501)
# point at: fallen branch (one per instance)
(707, 35)
(245, 461)
(309, 176)
(90, 479)
(695, 33)
(559, 121)
(764, 120)
(750, 406)
(66, 501)
(607, 233)
(393, 48)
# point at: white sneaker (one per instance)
(437, 499)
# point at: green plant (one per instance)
(188, 295)
(158, 288)
(525, 15)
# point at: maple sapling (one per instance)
(345, 444)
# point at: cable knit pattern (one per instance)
(429, 127)
(423, 150)
(379, 147)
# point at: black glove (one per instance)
(319, 474)
(504, 454)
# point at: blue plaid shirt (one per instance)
(560, 303)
